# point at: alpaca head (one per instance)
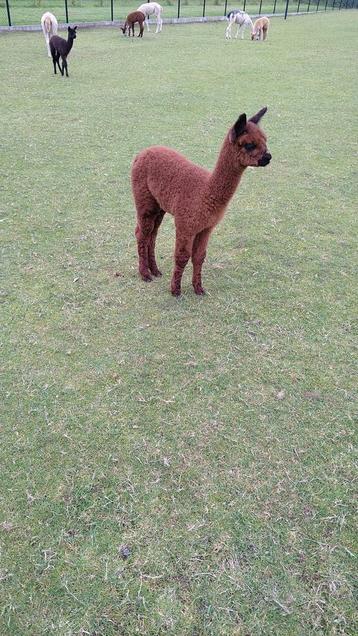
(249, 141)
(72, 33)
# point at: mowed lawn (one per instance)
(179, 467)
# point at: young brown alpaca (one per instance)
(260, 29)
(165, 181)
(131, 19)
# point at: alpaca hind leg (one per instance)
(198, 258)
(152, 264)
(143, 232)
(47, 38)
(183, 249)
(159, 23)
(147, 22)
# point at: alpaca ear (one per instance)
(256, 118)
(238, 128)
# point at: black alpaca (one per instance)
(60, 48)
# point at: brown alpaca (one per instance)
(260, 29)
(165, 181)
(132, 18)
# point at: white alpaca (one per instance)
(49, 27)
(155, 9)
(242, 19)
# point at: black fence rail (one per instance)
(28, 12)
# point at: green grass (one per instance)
(213, 436)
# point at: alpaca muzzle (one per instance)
(265, 159)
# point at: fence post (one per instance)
(308, 7)
(244, 7)
(286, 9)
(325, 6)
(318, 5)
(8, 12)
(204, 2)
(178, 8)
(225, 8)
(260, 7)
(66, 11)
(111, 10)
(274, 7)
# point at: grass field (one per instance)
(179, 467)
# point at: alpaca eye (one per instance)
(250, 147)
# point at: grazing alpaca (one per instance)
(132, 18)
(242, 20)
(165, 181)
(60, 48)
(49, 26)
(260, 29)
(152, 8)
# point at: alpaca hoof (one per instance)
(156, 272)
(199, 290)
(176, 292)
(146, 278)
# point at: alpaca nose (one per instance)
(265, 159)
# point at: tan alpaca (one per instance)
(260, 29)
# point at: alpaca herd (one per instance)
(163, 180)
(242, 19)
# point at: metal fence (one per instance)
(28, 12)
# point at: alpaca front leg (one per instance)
(183, 248)
(64, 66)
(59, 65)
(147, 22)
(198, 258)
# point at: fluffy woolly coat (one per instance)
(163, 181)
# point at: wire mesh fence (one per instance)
(29, 12)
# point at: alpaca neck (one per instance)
(226, 176)
(69, 44)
